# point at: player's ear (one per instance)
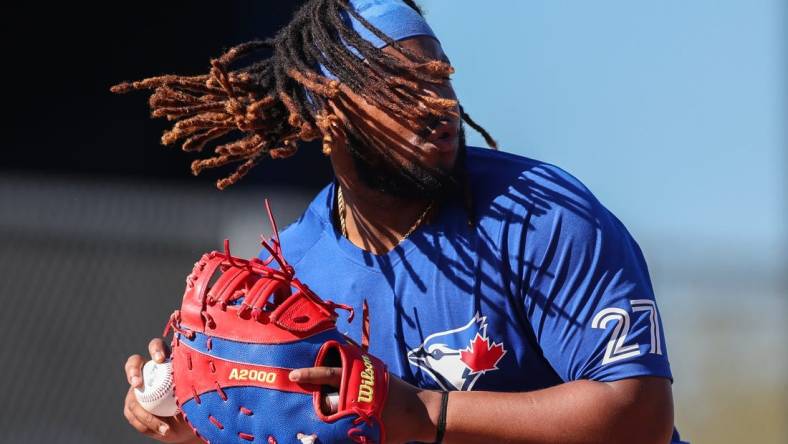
(333, 130)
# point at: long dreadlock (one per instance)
(282, 100)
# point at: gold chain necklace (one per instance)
(341, 211)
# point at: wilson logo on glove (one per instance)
(242, 327)
(366, 390)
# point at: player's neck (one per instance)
(377, 221)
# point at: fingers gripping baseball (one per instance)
(158, 350)
(133, 370)
(171, 430)
(141, 419)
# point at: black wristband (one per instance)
(442, 418)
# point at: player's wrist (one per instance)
(411, 413)
(431, 402)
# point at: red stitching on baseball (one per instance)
(212, 366)
(246, 436)
(271, 440)
(246, 411)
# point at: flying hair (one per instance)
(250, 109)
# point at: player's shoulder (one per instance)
(518, 185)
(299, 237)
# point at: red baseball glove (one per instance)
(242, 327)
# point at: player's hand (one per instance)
(410, 413)
(169, 430)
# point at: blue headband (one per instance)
(392, 17)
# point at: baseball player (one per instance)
(509, 304)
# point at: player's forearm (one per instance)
(575, 412)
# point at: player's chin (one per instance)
(440, 155)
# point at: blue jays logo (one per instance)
(456, 358)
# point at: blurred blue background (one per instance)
(674, 114)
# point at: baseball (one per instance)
(157, 394)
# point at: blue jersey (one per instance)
(547, 286)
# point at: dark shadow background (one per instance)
(100, 223)
(62, 59)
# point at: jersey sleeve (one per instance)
(588, 295)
